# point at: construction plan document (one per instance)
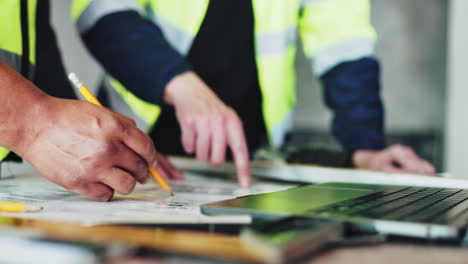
(148, 204)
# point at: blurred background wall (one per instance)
(411, 46)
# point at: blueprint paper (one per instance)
(148, 204)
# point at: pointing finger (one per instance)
(238, 145)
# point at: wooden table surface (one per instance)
(230, 247)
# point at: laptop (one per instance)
(428, 213)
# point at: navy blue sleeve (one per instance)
(352, 91)
(134, 51)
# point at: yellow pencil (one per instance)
(18, 207)
(92, 99)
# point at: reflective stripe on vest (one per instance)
(88, 12)
(332, 32)
(11, 45)
(276, 43)
(12, 59)
(348, 50)
(335, 31)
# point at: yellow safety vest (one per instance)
(332, 32)
(11, 41)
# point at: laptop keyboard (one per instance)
(410, 204)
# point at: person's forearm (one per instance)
(134, 51)
(352, 91)
(21, 109)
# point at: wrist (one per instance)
(21, 105)
(30, 122)
(176, 86)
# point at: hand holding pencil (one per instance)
(82, 147)
(162, 162)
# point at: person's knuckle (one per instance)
(236, 121)
(92, 163)
(132, 122)
(148, 148)
(405, 147)
(103, 155)
(409, 150)
(218, 118)
(230, 110)
(235, 118)
(98, 121)
(237, 147)
(400, 147)
(187, 121)
(203, 121)
(109, 149)
(140, 166)
(393, 150)
(116, 125)
(148, 143)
